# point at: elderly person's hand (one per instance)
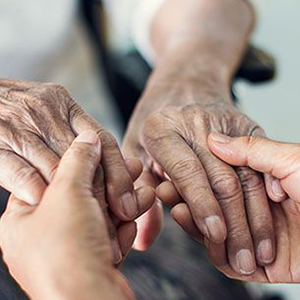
(38, 122)
(224, 201)
(60, 248)
(187, 98)
(282, 161)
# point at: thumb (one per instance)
(282, 160)
(78, 165)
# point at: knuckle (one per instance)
(57, 88)
(226, 187)
(107, 139)
(251, 181)
(24, 176)
(153, 124)
(239, 232)
(184, 170)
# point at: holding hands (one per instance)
(38, 123)
(66, 229)
(282, 161)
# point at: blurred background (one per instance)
(74, 63)
(276, 105)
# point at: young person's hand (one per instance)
(282, 161)
(60, 249)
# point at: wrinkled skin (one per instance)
(168, 132)
(42, 244)
(286, 266)
(38, 122)
(283, 162)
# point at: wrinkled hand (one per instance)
(60, 248)
(38, 122)
(224, 202)
(282, 161)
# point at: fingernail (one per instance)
(89, 137)
(116, 251)
(215, 229)
(129, 205)
(220, 138)
(245, 262)
(277, 189)
(265, 251)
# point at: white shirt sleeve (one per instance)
(141, 26)
(130, 22)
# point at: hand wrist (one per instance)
(203, 75)
(68, 287)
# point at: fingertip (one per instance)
(168, 194)
(126, 236)
(145, 198)
(215, 229)
(182, 215)
(275, 191)
(219, 138)
(221, 146)
(134, 167)
(89, 137)
(265, 252)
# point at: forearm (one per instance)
(201, 37)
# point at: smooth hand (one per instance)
(60, 249)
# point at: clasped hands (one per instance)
(248, 236)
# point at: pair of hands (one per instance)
(45, 268)
(60, 249)
(38, 123)
(168, 132)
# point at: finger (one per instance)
(78, 165)
(78, 168)
(283, 243)
(227, 188)
(190, 180)
(38, 154)
(272, 184)
(259, 215)
(278, 159)
(274, 188)
(99, 194)
(17, 207)
(182, 215)
(218, 257)
(134, 167)
(120, 193)
(20, 178)
(145, 195)
(126, 236)
(168, 194)
(149, 225)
